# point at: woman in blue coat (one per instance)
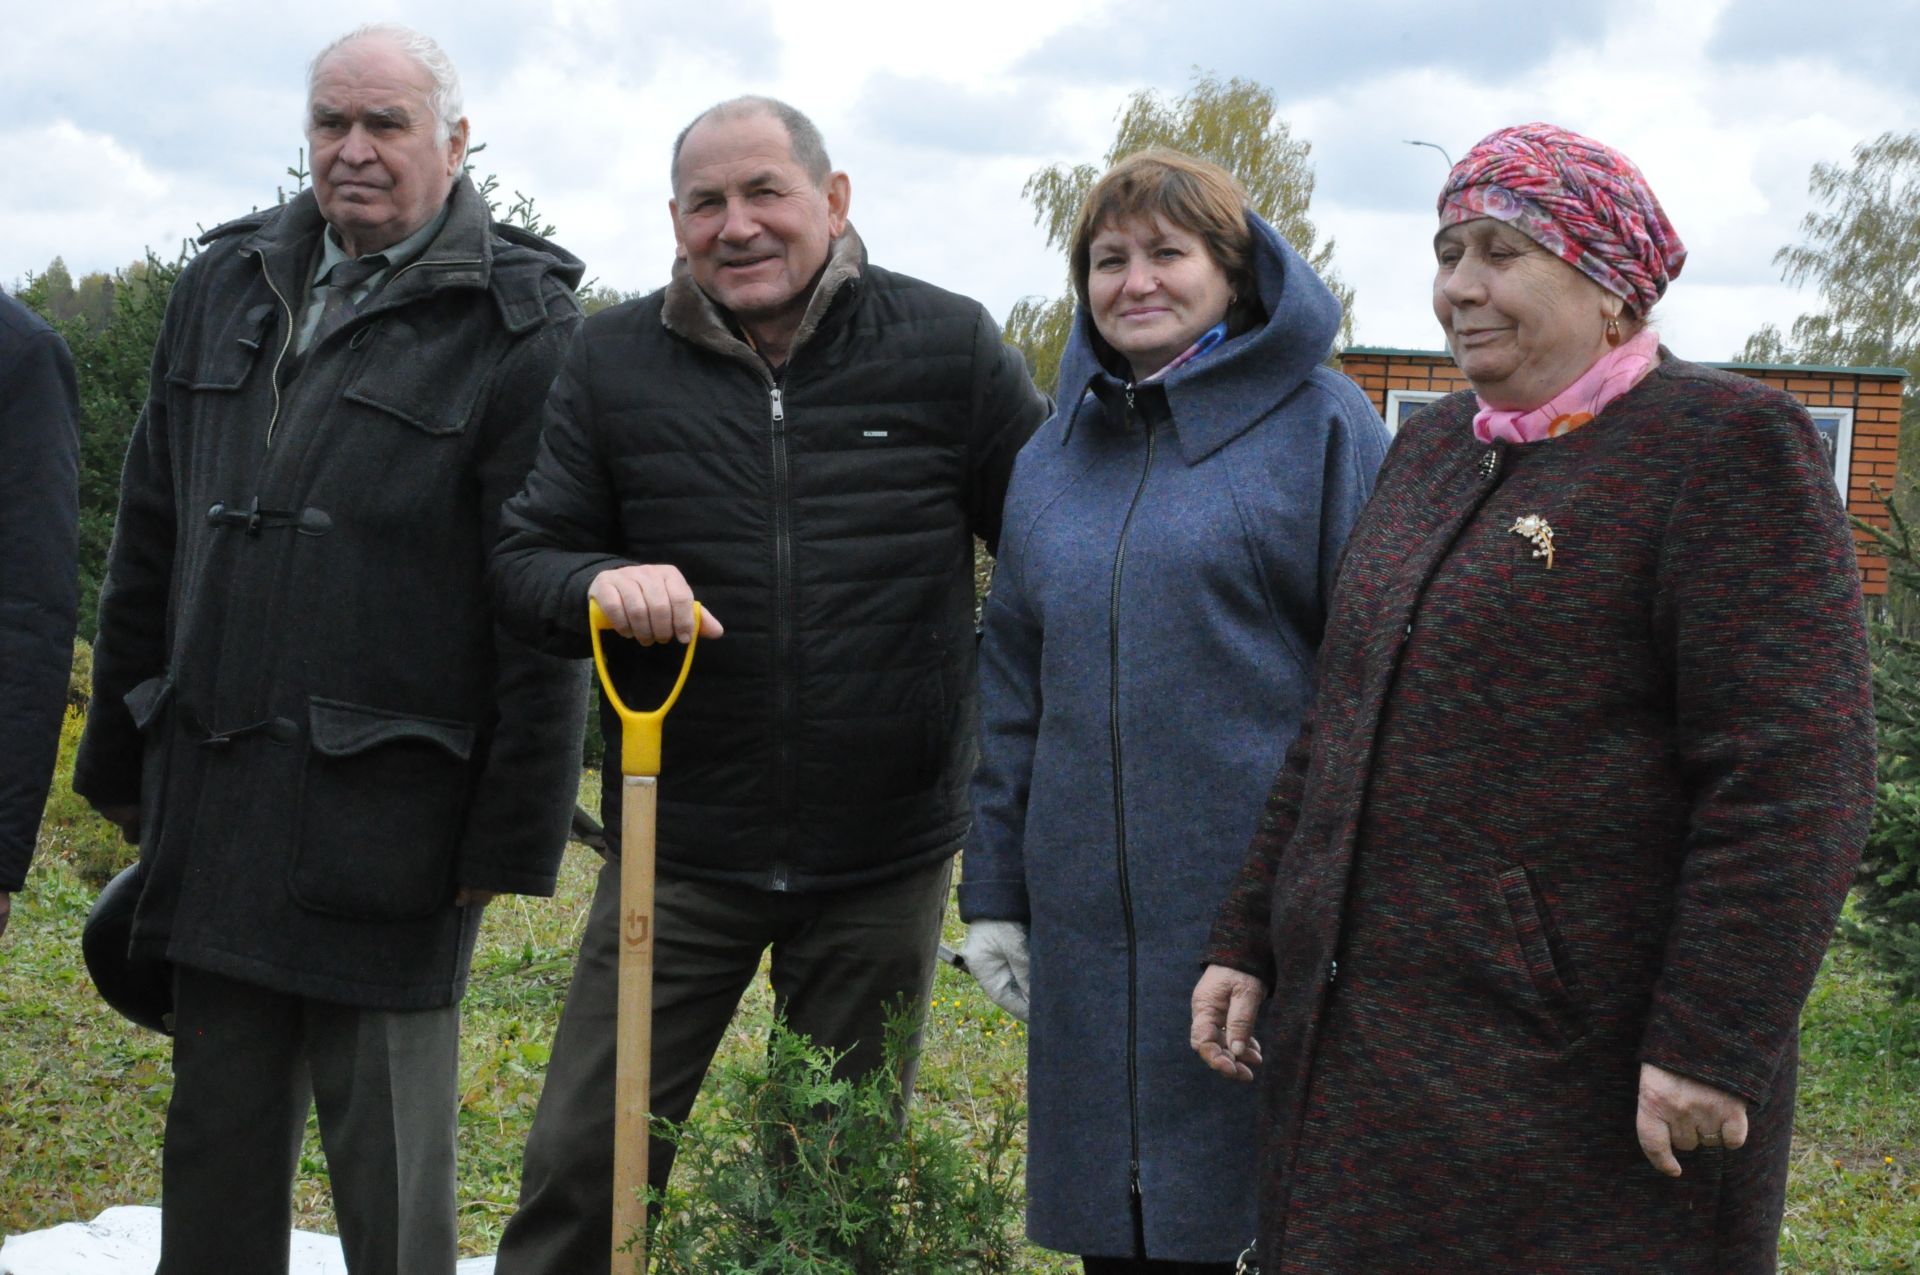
(1170, 542)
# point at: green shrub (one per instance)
(1887, 921)
(593, 745)
(70, 829)
(80, 678)
(789, 1171)
(1888, 925)
(113, 361)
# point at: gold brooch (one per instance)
(1534, 528)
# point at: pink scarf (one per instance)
(1613, 374)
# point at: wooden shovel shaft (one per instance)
(634, 1036)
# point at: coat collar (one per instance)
(465, 254)
(1215, 399)
(691, 314)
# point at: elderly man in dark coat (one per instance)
(39, 534)
(303, 711)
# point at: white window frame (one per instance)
(1843, 445)
(1396, 397)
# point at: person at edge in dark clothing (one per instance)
(39, 597)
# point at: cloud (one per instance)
(1360, 133)
(642, 39)
(205, 98)
(125, 123)
(1872, 38)
(958, 118)
(96, 203)
(1302, 49)
(209, 86)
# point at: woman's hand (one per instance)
(1225, 1003)
(1678, 1114)
(996, 955)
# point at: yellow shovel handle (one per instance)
(639, 732)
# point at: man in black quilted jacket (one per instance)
(809, 444)
(39, 537)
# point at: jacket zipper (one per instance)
(286, 343)
(782, 626)
(1120, 827)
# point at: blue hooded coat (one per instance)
(1166, 562)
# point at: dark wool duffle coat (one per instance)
(1552, 821)
(307, 696)
(1149, 649)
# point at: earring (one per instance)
(1613, 333)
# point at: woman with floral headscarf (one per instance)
(1547, 877)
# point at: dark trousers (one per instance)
(840, 959)
(246, 1064)
(1146, 1266)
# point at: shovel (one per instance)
(633, 1031)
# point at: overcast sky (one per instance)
(132, 123)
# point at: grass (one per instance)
(1853, 1201)
(85, 1093)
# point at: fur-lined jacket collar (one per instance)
(691, 314)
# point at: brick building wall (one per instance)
(1862, 417)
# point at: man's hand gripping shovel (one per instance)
(639, 770)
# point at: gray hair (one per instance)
(804, 142)
(445, 99)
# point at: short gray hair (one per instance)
(425, 51)
(804, 142)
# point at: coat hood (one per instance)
(471, 250)
(1215, 398)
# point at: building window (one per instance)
(1836, 435)
(1402, 404)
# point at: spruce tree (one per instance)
(1887, 897)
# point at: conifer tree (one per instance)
(1887, 895)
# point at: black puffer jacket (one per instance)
(827, 516)
(39, 457)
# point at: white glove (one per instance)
(996, 956)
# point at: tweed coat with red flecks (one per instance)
(1550, 821)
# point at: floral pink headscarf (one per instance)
(1582, 201)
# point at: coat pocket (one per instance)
(382, 807)
(226, 359)
(146, 701)
(1549, 973)
(423, 376)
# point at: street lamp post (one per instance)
(1433, 146)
